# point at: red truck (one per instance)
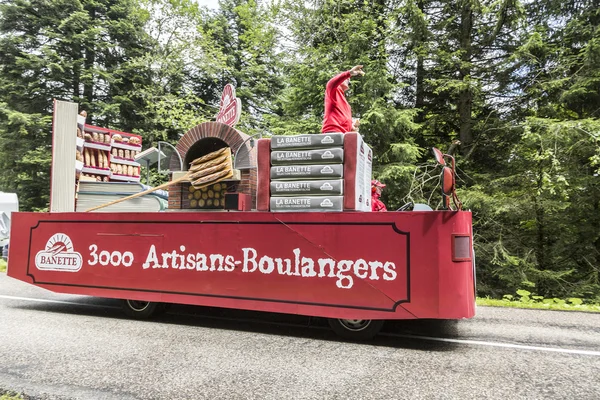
(356, 269)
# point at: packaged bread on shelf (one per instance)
(86, 155)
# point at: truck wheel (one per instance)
(140, 309)
(356, 329)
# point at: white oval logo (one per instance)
(59, 255)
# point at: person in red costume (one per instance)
(376, 204)
(338, 115)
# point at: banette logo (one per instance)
(59, 255)
(327, 140)
(326, 203)
(230, 107)
(327, 154)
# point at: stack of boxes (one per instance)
(315, 173)
(306, 173)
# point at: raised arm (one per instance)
(340, 78)
(337, 80)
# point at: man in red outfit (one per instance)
(376, 204)
(338, 115)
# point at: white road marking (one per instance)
(498, 344)
(435, 339)
(53, 301)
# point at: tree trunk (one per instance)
(540, 228)
(420, 72)
(76, 72)
(90, 58)
(465, 96)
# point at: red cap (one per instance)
(376, 183)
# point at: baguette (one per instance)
(213, 178)
(213, 155)
(207, 171)
(86, 155)
(211, 163)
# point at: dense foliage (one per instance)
(514, 83)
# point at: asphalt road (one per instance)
(72, 347)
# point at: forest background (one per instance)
(517, 82)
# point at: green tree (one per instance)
(77, 51)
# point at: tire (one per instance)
(356, 329)
(140, 309)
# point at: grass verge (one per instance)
(549, 304)
(2, 269)
(10, 396)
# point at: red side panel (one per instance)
(394, 265)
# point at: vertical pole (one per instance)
(148, 172)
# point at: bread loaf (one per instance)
(212, 156)
(207, 171)
(211, 163)
(210, 179)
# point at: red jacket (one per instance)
(376, 204)
(338, 115)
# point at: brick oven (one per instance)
(201, 140)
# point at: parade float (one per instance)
(280, 224)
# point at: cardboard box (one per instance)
(295, 172)
(310, 188)
(307, 204)
(333, 155)
(364, 170)
(314, 141)
(358, 166)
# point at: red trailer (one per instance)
(357, 269)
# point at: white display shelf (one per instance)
(96, 171)
(98, 146)
(78, 165)
(124, 178)
(126, 146)
(79, 141)
(125, 161)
